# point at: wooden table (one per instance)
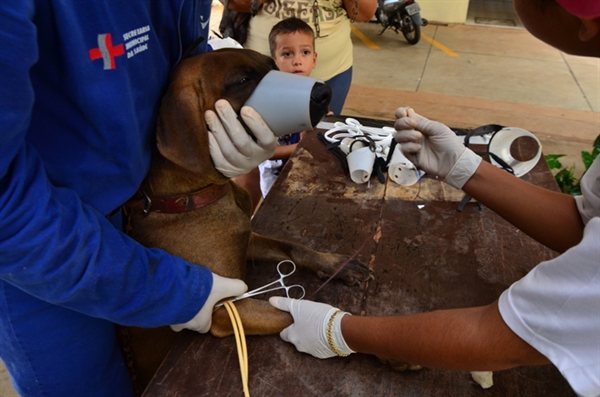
(425, 258)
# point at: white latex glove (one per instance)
(309, 331)
(435, 148)
(232, 149)
(222, 288)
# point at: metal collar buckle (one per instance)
(147, 203)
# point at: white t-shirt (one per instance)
(269, 171)
(556, 307)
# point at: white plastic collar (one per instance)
(354, 136)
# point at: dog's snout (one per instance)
(320, 96)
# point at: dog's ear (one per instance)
(260, 59)
(182, 134)
(272, 64)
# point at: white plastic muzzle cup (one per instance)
(284, 102)
(401, 170)
(360, 164)
(500, 144)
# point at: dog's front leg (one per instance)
(258, 318)
(267, 249)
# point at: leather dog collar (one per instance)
(143, 202)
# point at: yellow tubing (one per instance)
(240, 341)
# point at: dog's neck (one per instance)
(166, 178)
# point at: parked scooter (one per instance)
(403, 16)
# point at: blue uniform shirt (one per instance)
(80, 88)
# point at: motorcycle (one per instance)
(403, 16)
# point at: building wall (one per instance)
(445, 11)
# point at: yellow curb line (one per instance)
(442, 47)
(364, 38)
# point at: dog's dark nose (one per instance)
(320, 96)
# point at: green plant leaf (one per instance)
(565, 177)
(587, 159)
(566, 180)
(552, 160)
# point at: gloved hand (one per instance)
(232, 149)
(222, 288)
(434, 148)
(311, 322)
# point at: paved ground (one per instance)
(467, 76)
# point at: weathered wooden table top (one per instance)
(427, 256)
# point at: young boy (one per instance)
(292, 46)
(552, 315)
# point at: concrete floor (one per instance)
(470, 75)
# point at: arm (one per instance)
(469, 339)
(59, 249)
(284, 152)
(366, 9)
(459, 339)
(550, 217)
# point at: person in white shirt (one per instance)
(552, 315)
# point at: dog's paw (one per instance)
(398, 365)
(354, 272)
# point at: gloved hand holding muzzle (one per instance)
(282, 103)
(232, 150)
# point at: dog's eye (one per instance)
(239, 88)
(240, 82)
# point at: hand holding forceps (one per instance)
(275, 285)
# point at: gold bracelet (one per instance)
(330, 334)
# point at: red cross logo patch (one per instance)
(106, 51)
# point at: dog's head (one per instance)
(196, 84)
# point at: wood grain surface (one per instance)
(426, 256)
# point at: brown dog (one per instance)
(218, 234)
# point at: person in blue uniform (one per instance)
(80, 86)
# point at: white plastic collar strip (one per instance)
(382, 137)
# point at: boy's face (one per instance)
(552, 24)
(294, 53)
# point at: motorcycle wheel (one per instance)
(410, 30)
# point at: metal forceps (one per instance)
(275, 285)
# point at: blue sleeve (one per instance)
(59, 249)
